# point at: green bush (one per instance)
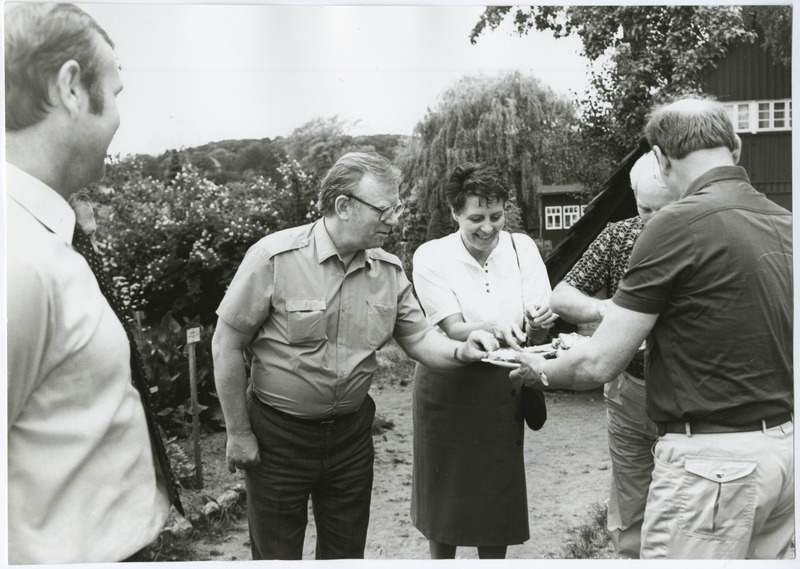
(174, 247)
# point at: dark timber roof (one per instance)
(614, 202)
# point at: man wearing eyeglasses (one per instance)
(710, 287)
(312, 305)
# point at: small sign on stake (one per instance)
(192, 338)
(192, 335)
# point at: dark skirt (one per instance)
(468, 485)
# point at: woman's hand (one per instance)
(509, 333)
(540, 317)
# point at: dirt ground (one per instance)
(567, 465)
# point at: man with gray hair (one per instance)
(710, 287)
(311, 305)
(582, 298)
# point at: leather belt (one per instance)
(703, 428)
(327, 422)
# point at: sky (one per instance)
(199, 73)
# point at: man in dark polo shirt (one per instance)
(710, 287)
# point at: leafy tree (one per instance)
(641, 56)
(774, 25)
(317, 144)
(175, 248)
(511, 121)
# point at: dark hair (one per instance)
(39, 39)
(344, 176)
(475, 179)
(690, 124)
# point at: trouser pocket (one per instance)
(718, 496)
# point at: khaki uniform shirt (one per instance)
(316, 326)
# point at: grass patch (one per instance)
(381, 424)
(590, 540)
(169, 547)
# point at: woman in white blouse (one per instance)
(469, 480)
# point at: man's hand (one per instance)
(540, 317)
(528, 372)
(510, 333)
(478, 343)
(241, 451)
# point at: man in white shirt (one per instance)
(83, 483)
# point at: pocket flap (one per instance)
(383, 308)
(720, 469)
(305, 304)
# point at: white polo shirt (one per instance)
(448, 280)
(81, 474)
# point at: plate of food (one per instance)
(507, 357)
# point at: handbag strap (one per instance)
(521, 292)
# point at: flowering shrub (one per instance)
(175, 247)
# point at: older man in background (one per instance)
(313, 304)
(710, 281)
(582, 298)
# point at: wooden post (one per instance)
(192, 338)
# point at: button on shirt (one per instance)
(317, 324)
(82, 483)
(449, 280)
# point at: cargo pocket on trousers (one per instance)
(306, 320)
(718, 496)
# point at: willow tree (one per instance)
(512, 121)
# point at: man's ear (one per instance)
(66, 89)
(664, 163)
(737, 149)
(341, 206)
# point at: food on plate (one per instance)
(566, 341)
(547, 351)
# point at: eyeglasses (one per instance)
(385, 212)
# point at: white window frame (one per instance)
(752, 111)
(583, 210)
(552, 217)
(571, 214)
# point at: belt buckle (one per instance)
(328, 423)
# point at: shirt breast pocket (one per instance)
(380, 322)
(306, 320)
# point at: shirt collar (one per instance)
(327, 249)
(41, 201)
(460, 252)
(715, 175)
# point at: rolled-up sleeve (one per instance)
(246, 305)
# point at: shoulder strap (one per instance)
(521, 291)
(516, 253)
